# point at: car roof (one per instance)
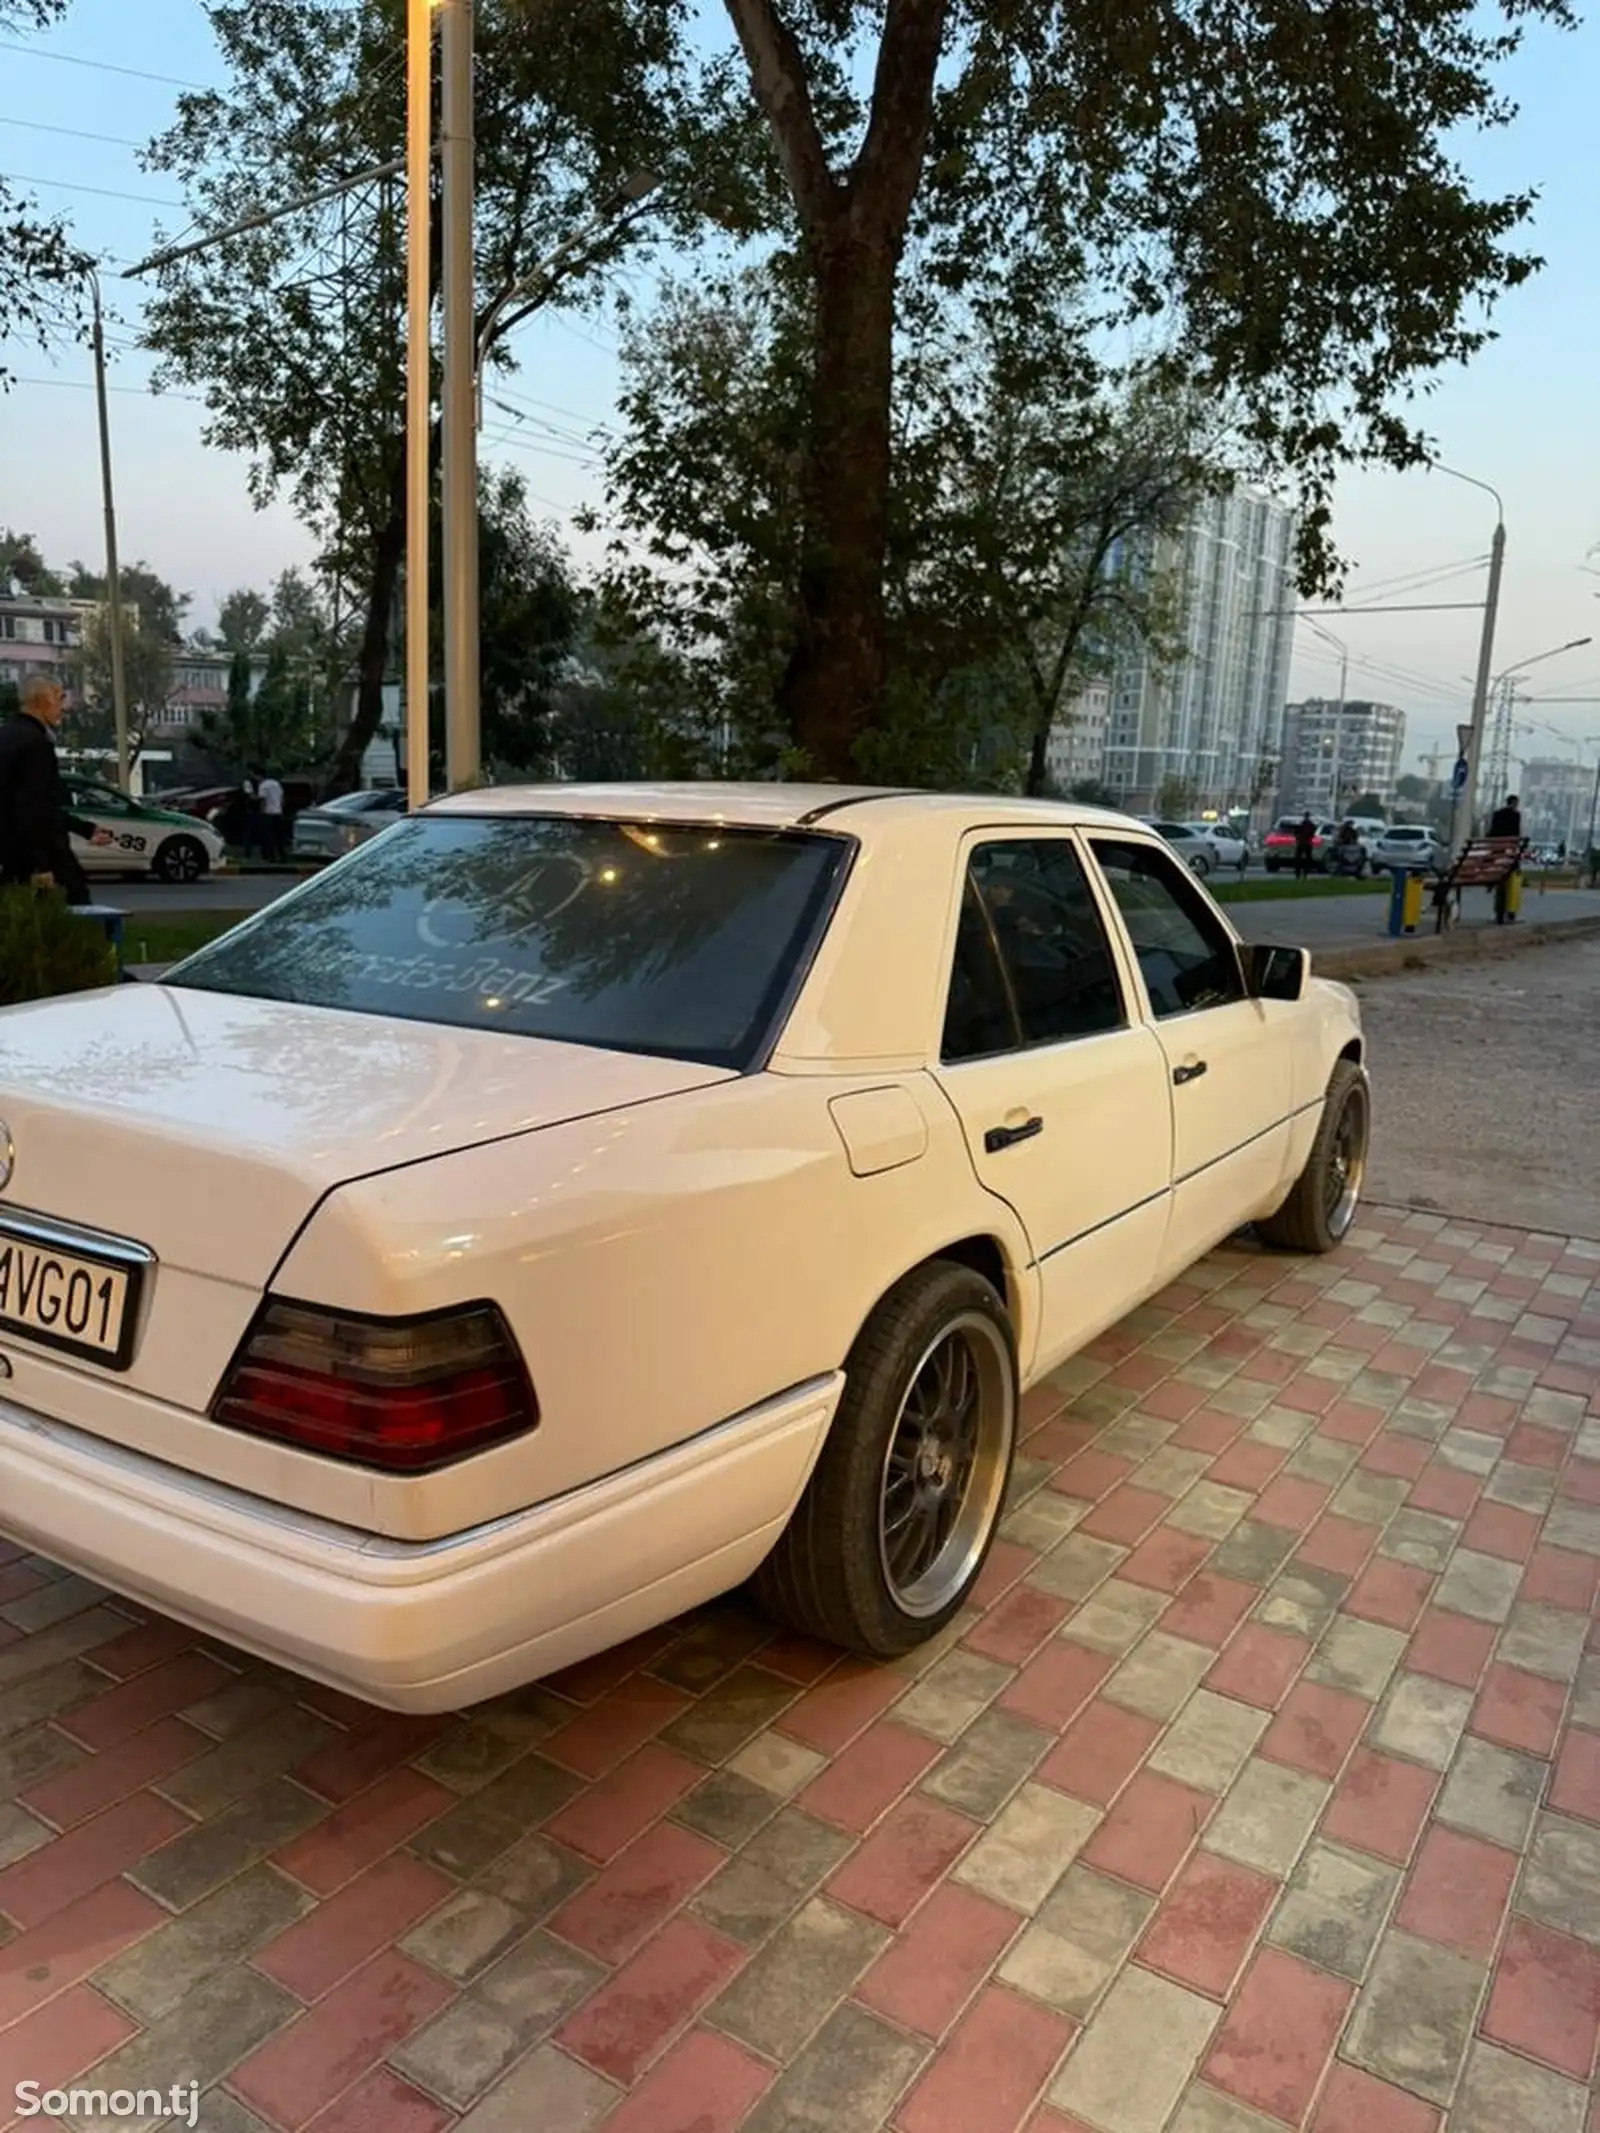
(864, 808)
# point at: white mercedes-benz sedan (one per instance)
(581, 1200)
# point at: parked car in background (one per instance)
(587, 1198)
(338, 826)
(1369, 828)
(1193, 845)
(1410, 844)
(1230, 845)
(1278, 846)
(145, 839)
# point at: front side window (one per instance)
(1186, 955)
(680, 942)
(1029, 920)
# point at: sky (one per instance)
(1523, 417)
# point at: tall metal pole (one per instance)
(419, 384)
(1461, 817)
(1594, 811)
(460, 439)
(119, 682)
(1338, 727)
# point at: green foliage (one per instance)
(1176, 798)
(295, 334)
(1268, 193)
(42, 288)
(242, 619)
(21, 561)
(1090, 792)
(44, 950)
(1368, 804)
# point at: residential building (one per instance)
(1333, 751)
(40, 634)
(1557, 798)
(1213, 717)
(1076, 749)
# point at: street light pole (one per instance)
(1461, 813)
(119, 682)
(460, 444)
(419, 385)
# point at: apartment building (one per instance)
(1213, 718)
(1333, 751)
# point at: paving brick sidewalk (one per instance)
(1264, 1791)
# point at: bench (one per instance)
(1485, 863)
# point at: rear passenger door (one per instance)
(1063, 1092)
(1229, 1058)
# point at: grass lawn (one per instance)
(1273, 888)
(151, 937)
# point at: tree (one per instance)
(1091, 792)
(1273, 187)
(1176, 797)
(89, 728)
(22, 564)
(41, 290)
(242, 619)
(160, 609)
(1414, 790)
(295, 333)
(1368, 805)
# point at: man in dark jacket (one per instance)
(35, 827)
(1505, 822)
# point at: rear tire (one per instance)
(1318, 1214)
(891, 1532)
(1200, 865)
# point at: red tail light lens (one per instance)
(403, 1395)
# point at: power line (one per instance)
(83, 385)
(71, 133)
(101, 66)
(106, 192)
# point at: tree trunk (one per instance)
(372, 662)
(833, 687)
(1037, 761)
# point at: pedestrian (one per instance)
(36, 830)
(250, 813)
(271, 791)
(1506, 821)
(1305, 847)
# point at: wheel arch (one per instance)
(982, 1252)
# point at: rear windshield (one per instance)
(1406, 836)
(680, 942)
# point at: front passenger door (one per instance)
(1062, 1093)
(1230, 1058)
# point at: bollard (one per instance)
(1405, 901)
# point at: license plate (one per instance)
(71, 1293)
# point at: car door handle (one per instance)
(1191, 1072)
(999, 1137)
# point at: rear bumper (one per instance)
(419, 1626)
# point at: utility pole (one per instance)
(419, 385)
(1466, 799)
(460, 444)
(119, 682)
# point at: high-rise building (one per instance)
(1076, 749)
(1333, 751)
(1212, 719)
(1557, 800)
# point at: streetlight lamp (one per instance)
(119, 684)
(1466, 774)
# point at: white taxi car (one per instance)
(581, 1200)
(143, 839)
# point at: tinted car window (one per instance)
(1034, 901)
(1186, 954)
(678, 942)
(980, 1016)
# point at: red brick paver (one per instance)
(1264, 1772)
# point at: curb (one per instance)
(1419, 951)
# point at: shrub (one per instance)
(45, 950)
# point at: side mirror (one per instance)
(1275, 973)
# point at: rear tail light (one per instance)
(403, 1395)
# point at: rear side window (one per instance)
(1033, 965)
(636, 937)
